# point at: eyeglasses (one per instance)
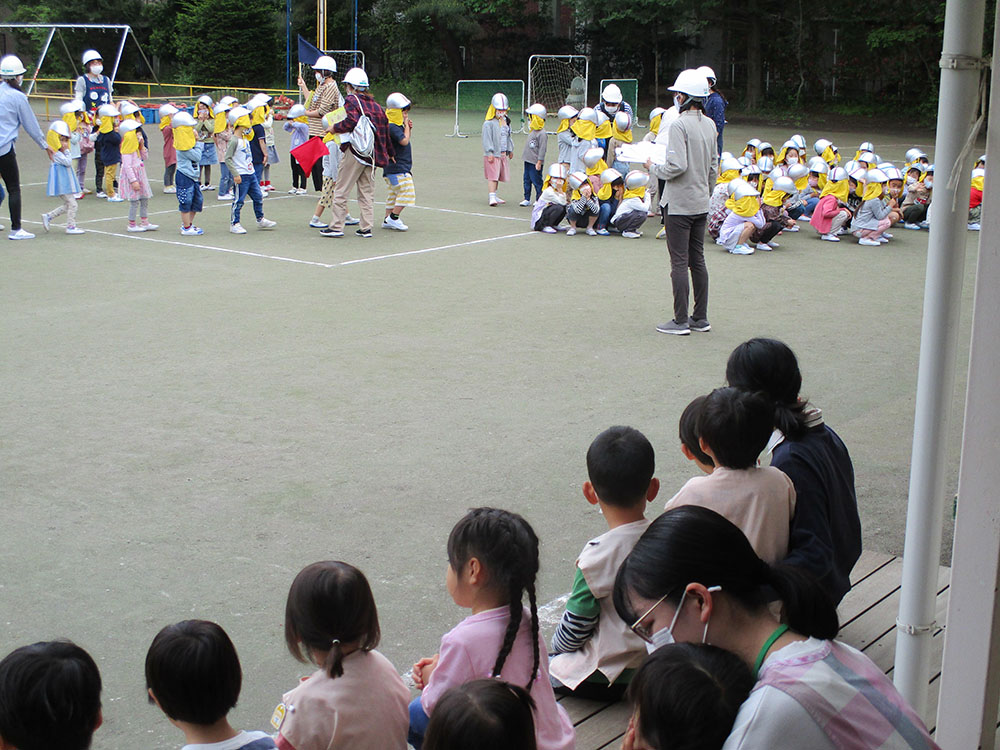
(643, 630)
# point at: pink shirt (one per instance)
(468, 652)
(760, 500)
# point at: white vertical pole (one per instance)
(970, 678)
(121, 48)
(962, 48)
(41, 59)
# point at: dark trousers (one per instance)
(631, 221)
(532, 176)
(768, 232)
(317, 175)
(686, 243)
(298, 176)
(552, 214)
(12, 179)
(914, 213)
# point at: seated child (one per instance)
(774, 204)
(533, 154)
(608, 197)
(621, 134)
(550, 208)
(734, 428)
(687, 428)
(492, 562)
(729, 170)
(745, 218)
(872, 218)
(633, 207)
(194, 676)
(686, 696)
(796, 205)
(831, 213)
(976, 198)
(50, 697)
(917, 199)
(356, 699)
(894, 195)
(595, 653)
(486, 714)
(583, 206)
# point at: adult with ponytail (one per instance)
(492, 564)
(356, 699)
(694, 578)
(825, 535)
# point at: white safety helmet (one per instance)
(750, 170)
(708, 73)
(577, 179)
(655, 112)
(866, 146)
(236, 113)
(128, 108)
(636, 179)
(223, 107)
(183, 120)
(859, 174)
(799, 141)
(357, 78)
(108, 110)
(396, 100)
(763, 146)
(557, 170)
(128, 126)
(867, 157)
(589, 114)
(611, 94)
(876, 175)
(166, 110)
(537, 109)
(296, 110)
(726, 155)
(981, 159)
(11, 67)
(754, 143)
(744, 190)
(785, 185)
(733, 185)
(207, 101)
(609, 175)
(821, 145)
(90, 55)
(775, 173)
(692, 83)
(930, 168)
(766, 164)
(74, 105)
(59, 127)
(499, 101)
(325, 62)
(789, 144)
(892, 173)
(229, 99)
(837, 174)
(601, 117)
(798, 171)
(816, 164)
(593, 155)
(852, 165)
(567, 111)
(729, 164)
(622, 121)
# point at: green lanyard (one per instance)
(778, 632)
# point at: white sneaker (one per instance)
(915, 227)
(149, 227)
(791, 229)
(350, 221)
(524, 203)
(74, 230)
(293, 191)
(631, 235)
(549, 230)
(207, 187)
(662, 233)
(46, 219)
(773, 244)
(20, 234)
(493, 200)
(78, 196)
(266, 223)
(224, 196)
(192, 231)
(170, 189)
(888, 236)
(301, 191)
(136, 228)
(500, 200)
(116, 199)
(100, 194)
(830, 238)
(397, 224)
(869, 243)
(883, 240)
(742, 250)
(317, 223)
(764, 247)
(925, 224)
(237, 229)
(591, 232)
(571, 231)
(974, 226)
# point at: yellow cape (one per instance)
(184, 138)
(258, 115)
(491, 114)
(70, 119)
(654, 124)
(164, 121)
(395, 116)
(585, 130)
(773, 197)
(639, 192)
(745, 207)
(130, 142)
(978, 182)
(221, 123)
(872, 190)
(563, 125)
(625, 136)
(829, 157)
(728, 176)
(800, 184)
(536, 122)
(107, 125)
(604, 131)
(52, 139)
(838, 190)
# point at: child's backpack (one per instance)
(363, 138)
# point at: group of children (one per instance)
(356, 699)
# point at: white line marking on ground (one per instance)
(219, 204)
(433, 249)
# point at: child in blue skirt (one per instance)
(62, 179)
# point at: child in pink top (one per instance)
(492, 561)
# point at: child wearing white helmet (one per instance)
(564, 136)
(715, 103)
(204, 131)
(976, 196)
(745, 217)
(398, 174)
(831, 214)
(239, 159)
(72, 114)
(729, 170)
(134, 182)
(550, 208)
(775, 199)
(108, 146)
(584, 130)
(872, 218)
(189, 197)
(498, 147)
(166, 112)
(533, 154)
(621, 135)
(633, 206)
(296, 123)
(62, 179)
(222, 133)
(583, 206)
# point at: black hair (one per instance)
(769, 148)
(736, 425)
(12, 82)
(194, 672)
(770, 366)
(687, 696)
(620, 465)
(50, 697)
(687, 427)
(486, 714)
(329, 606)
(507, 548)
(692, 544)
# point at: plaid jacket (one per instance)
(384, 149)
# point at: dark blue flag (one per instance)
(308, 54)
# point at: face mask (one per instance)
(665, 636)
(677, 101)
(319, 78)
(792, 159)
(611, 108)
(97, 69)
(928, 182)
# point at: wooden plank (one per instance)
(883, 651)
(868, 563)
(604, 727)
(581, 709)
(870, 591)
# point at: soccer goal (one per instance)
(349, 58)
(472, 99)
(630, 92)
(555, 80)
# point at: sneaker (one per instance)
(571, 231)
(549, 230)
(136, 228)
(20, 234)
(925, 224)
(192, 231)
(603, 232)
(591, 232)
(662, 233)
(170, 189)
(500, 200)
(78, 196)
(224, 196)
(699, 325)
(869, 243)
(830, 238)
(742, 250)
(88, 192)
(237, 229)
(773, 244)
(149, 227)
(806, 219)
(100, 194)
(889, 236)
(763, 246)
(331, 232)
(266, 223)
(301, 191)
(631, 235)
(206, 188)
(46, 219)
(74, 230)
(366, 233)
(883, 240)
(493, 200)
(397, 224)
(350, 221)
(974, 226)
(915, 227)
(792, 229)
(524, 203)
(115, 199)
(671, 326)
(317, 223)
(293, 191)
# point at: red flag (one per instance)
(309, 153)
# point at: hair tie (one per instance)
(334, 642)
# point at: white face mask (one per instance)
(929, 182)
(791, 159)
(96, 69)
(665, 636)
(677, 101)
(611, 108)
(319, 77)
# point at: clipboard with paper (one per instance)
(639, 153)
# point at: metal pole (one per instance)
(354, 45)
(288, 43)
(121, 48)
(957, 102)
(45, 51)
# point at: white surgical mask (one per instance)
(611, 108)
(791, 159)
(677, 101)
(96, 69)
(665, 636)
(319, 77)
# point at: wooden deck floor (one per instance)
(868, 622)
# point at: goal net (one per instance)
(630, 92)
(472, 99)
(555, 80)
(347, 59)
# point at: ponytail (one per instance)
(807, 606)
(334, 664)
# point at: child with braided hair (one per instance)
(492, 562)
